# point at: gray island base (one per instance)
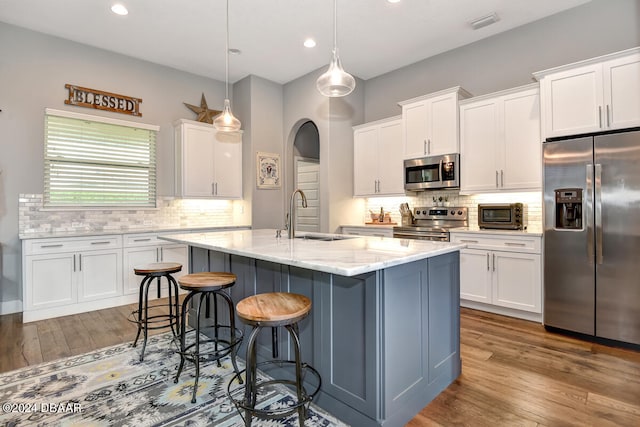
(384, 336)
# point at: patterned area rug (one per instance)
(111, 387)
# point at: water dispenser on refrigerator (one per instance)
(568, 209)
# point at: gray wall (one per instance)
(507, 60)
(260, 101)
(33, 71)
(334, 118)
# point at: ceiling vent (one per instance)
(484, 21)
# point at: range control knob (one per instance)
(459, 212)
(424, 212)
(453, 212)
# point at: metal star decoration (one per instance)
(204, 113)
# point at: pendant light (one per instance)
(335, 81)
(225, 121)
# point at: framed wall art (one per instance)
(268, 170)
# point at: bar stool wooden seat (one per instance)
(273, 310)
(224, 339)
(158, 318)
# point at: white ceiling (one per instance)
(374, 36)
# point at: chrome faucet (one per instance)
(291, 232)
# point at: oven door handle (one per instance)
(420, 236)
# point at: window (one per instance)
(92, 161)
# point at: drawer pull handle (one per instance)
(468, 241)
(141, 240)
(514, 244)
(100, 243)
(52, 246)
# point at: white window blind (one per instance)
(97, 162)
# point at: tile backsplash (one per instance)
(170, 213)
(532, 200)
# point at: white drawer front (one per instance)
(142, 239)
(529, 244)
(75, 244)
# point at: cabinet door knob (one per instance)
(496, 179)
(487, 261)
(608, 117)
(501, 178)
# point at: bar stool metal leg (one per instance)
(232, 326)
(293, 331)
(183, 323)
(139, 313)
(250, 376)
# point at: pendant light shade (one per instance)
(226, 121)
(335, 81)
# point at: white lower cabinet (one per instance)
(501, 272)
(69, 275)
(140, 249)
(99, 274)
(67, 271)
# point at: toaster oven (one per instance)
(509, 216)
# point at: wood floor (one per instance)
(514, 373)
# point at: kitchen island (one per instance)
(384, 331)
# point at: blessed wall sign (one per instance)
(101, 100)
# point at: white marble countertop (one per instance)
(348, 257)
(530, 231)
(128, 230)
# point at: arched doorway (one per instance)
(306, 175)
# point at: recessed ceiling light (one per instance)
(309, 43)
(393, 1)
(119, 9)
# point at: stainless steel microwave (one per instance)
(510, 216)
(431, 173)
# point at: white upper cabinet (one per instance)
(500, 142)
(208, 162)
(430, 123)
(591, 96)
(377, 158)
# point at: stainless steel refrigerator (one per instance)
(592, 235)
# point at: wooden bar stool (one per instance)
(225, 338)
(273, 310)
(156, 319)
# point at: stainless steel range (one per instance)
(433, 223)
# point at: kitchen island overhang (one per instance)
(384, 331)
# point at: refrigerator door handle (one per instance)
(589, 212)
(598, 212)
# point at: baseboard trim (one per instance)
(9, 307)
(520, 314)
